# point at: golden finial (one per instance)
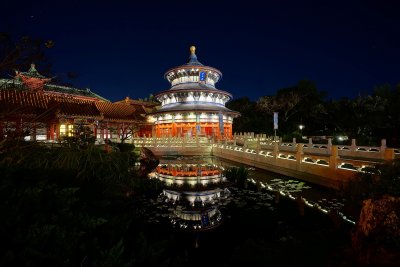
(193, 50)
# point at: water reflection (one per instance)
(196, 192)
(195, 188)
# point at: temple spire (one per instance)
(32, 72)
(193, 58)
(33, 68)
(193, 50)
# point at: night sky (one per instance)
(123, 48)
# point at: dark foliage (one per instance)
(66, 207)
(18, 54)
(367, 118)
(238, 175)
(251, 119)
(383, 179)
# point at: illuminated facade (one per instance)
(193, 106)
(32, 107)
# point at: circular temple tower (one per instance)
(193, 106)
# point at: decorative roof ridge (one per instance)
(32, 72)
(86, 91)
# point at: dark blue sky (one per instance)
(123, 48)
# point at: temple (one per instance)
(34, 108)
(193, 106)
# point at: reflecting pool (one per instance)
(200, 213)
(197, 194)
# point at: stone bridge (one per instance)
(325, 164)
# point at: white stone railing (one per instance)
(297, 162)
(374, 153)
(335, 163)
(267, 144)
(173, 142)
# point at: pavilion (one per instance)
(193, 106)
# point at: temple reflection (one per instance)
(195, 188)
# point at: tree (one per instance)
(128, 130)
(251, 119)
(284, 103)
(19, 54)
(364, 118)
(81, 137)
(296, 105)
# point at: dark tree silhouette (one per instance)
(18, 54)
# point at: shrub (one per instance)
(239, 175)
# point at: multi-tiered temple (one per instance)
(193, 106)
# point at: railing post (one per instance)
(389, 154)
(333, 158)
(299, 156)
(329, 144)
(383, 148)
(353, 145)
(383, 143)
(276, 150)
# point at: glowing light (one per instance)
(151, 119)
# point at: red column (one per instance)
(58, 130)
(52, 131)
(173, 130)
(158, 131)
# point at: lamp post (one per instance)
(301, 127)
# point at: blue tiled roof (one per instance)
(191, 86)
(193, 61)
